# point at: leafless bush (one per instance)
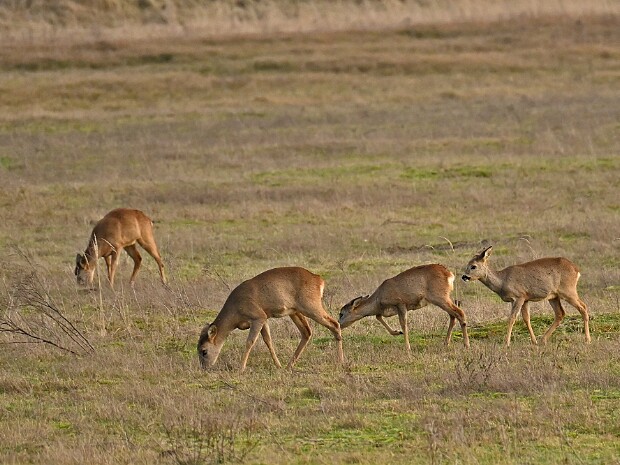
(30, 315)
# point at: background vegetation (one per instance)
(354, 148)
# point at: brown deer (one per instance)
(275, 293)
(549, 279)
(410, 290)
(119, 229)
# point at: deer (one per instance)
(275, 293)
(119, 229)
(552, 279)
(410, 290)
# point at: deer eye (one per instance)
(473, 267)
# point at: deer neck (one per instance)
(493, 280)
(225, 324)
(370, 307)
(91, 253)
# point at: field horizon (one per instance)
(356, 152)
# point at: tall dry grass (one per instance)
(100, 20)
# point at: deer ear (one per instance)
(485, 253)
(211, 332)
(358, 300)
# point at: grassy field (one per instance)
(355, 155)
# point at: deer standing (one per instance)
(549, 279)
(275, 293)
(119, 229)
(410, 290)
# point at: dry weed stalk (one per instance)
(209, 443)
(475, 371)
(102, 320)
(31, 314)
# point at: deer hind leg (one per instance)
(132, 251)
(516, 306)
(306, 333)
(559, 316)
(580, 305)
(450, 328)
(525, 314)
(320, 315)
(150, 246)
(455, 314)
(255, 328)
(267, 338)
(393, 332)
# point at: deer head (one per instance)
(84, 271)
(350, 312)
(208, 349)
(477, 267)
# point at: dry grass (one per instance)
(356, 155)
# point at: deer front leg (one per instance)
(108, 263)
(393, 332)
(115, 257)
(255, 329)
(516, 306)
(402, 317)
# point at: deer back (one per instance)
(541, 277)
(416, 283)
(275, 292)
(122, 227)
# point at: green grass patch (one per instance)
(276, 178)
(573, 236)
(607, 394)
(447, 173)
(9, 163)
(572, 324)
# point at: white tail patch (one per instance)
(451, 281)
(578, 275)
(322, 288)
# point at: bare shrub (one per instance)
(30, 315)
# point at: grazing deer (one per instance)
(549, 279)
(119, 229)
(410, 290)
(275, 293)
